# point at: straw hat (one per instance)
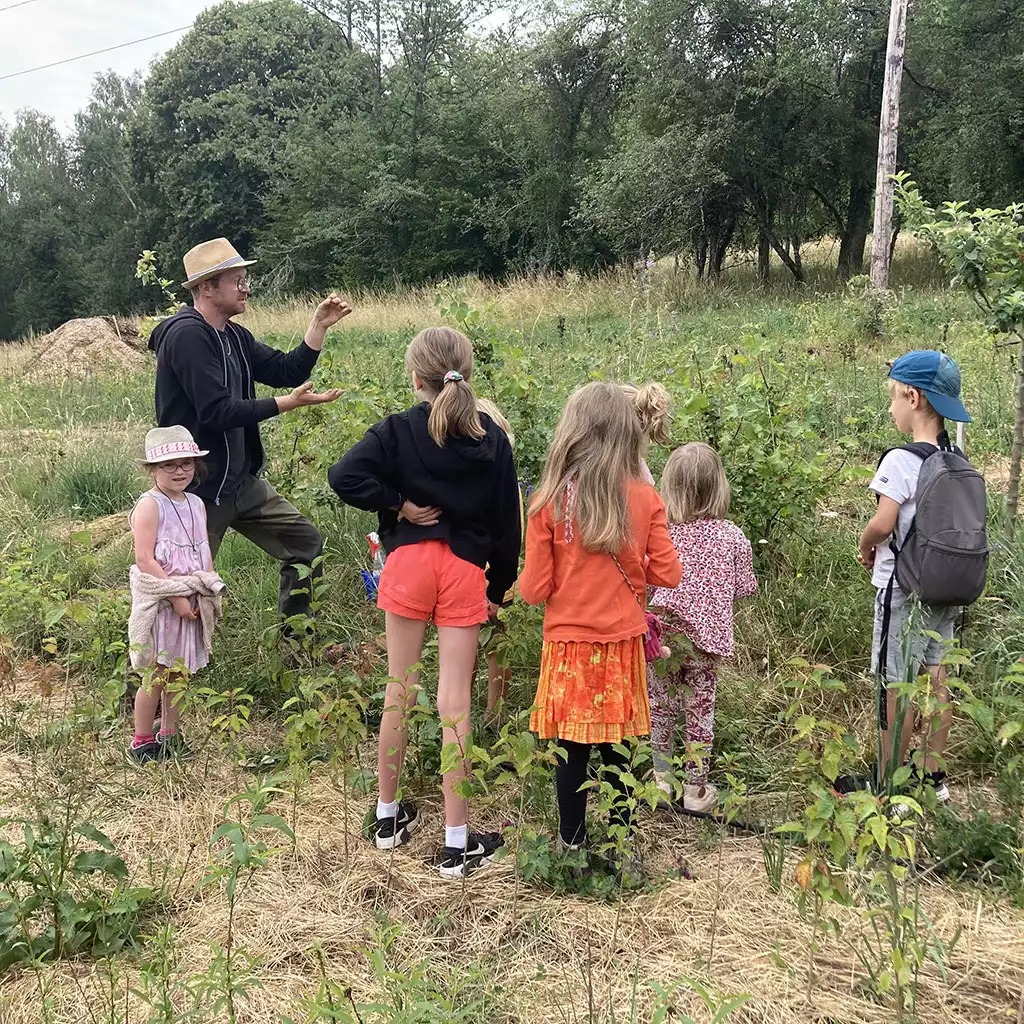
(210, 258)
(166, 443)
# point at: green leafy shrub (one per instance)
(53, 900)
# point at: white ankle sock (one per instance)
(386, 810)
(456, 836)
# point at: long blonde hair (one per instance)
(694, 485)
(653, 406)
(434, 354)
(487, 406)
(594, 453)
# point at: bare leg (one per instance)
(405, 647)
(147, 701)
(457, 653)
(169, 701)
(498, 680)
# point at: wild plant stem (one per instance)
(522, 806)
(230, 988)
(814, 943)
(344, 802)
(589, 967)
(718, 894)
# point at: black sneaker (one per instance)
(145, 752)
(389, 833)
(938, 780)
(479, 853)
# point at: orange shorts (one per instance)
(425, 580)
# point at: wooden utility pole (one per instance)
(888, 131)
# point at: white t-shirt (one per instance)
(896, 478)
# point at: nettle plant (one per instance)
(748, 410)
(64, 889)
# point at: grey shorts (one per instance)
(925, 650)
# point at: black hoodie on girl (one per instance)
(472, 480)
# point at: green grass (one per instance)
(81, 485)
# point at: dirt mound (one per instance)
(81, 348)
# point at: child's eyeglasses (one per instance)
(171, 467)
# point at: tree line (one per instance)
(351, 142)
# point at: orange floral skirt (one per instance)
(592, 692)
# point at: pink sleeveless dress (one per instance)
(182, 547)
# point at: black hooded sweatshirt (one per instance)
(205, 381)
(472, 480)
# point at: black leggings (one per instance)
(572, 804)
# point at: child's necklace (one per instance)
(191, 534)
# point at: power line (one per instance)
(107, 49)
(10, 7)
(82, 56)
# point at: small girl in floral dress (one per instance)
(596, 538)
(717, 568)
(175, 592)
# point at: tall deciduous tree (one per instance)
(41, 227)
(218, 111)
(111, 216)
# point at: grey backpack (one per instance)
(944, 557)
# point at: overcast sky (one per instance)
(44, 31)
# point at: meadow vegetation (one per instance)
(239, 887)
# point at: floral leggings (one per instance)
(690, 688)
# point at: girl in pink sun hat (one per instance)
(176, 595)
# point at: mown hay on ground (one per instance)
(724, 924)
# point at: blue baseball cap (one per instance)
(938, 377)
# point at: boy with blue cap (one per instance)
(924, 388)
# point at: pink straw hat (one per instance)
(166, 443)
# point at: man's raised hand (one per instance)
(304, 395)
(330, 311)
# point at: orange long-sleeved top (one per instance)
(585, 595)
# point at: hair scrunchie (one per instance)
(452, 375)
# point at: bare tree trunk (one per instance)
(700, 257)
(893, 240)
(888, 131)
(791, 265)
(719, 247)
(855, 232)
(764, 252)
(1017, 450)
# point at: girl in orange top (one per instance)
(596, 537)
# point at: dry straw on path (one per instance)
(313, 896)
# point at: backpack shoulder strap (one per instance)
(922, 449)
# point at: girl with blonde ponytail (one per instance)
(441, 478)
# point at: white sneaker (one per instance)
(702, 799)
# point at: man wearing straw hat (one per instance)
(207, 367)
